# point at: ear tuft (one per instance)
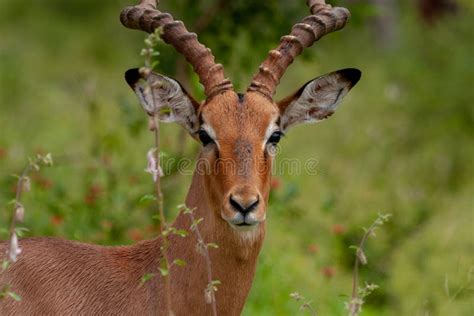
(132, 76)
(351, 74)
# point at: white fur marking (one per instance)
(211, 133)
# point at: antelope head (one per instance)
(239, 132)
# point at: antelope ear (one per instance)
(166, 97)
(317, 99)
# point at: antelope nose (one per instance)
(244, 205)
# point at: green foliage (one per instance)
(147, 277)
(401, 142)
(179, 262)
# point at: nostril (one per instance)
(236, 205)
(242, 207)
(253, 205)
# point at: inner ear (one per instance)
(165, 97)
(318, 98)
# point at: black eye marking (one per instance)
(204, 137)
(275, 138)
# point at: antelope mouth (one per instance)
(242, 223)
(244, 226)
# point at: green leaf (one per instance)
(5, 264)
(155, 63)
(164, 271)
(168, 230)
(14, 296)
(196, 223)
(181, 232)
(147, 277)
(147, 198)
(212, 245)
(20, 231)
(179, 262)
(185, 209)
(12, 202)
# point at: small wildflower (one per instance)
(153, 168)
(46, 184)
(3, 153)
(361, 256)
(305, 304)
(276, 183)
(338, 229)
(15, 249)
(313, 249)
(43, 182)
(56, 220)
(201, 248)
(354, 305)
(328, 272)
(296, 296)
(19, 212)
(93, 194)
(135, 234)
(208, 296)
(25, 184)
(47, 159)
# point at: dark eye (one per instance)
(275, 138)
(204, 137)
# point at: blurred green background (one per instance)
(402, 142)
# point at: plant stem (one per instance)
(19, 192)
(18, 215)
(208, 262)
(356, 301)
(157, 179)
(163, 223)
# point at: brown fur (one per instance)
(61, 277)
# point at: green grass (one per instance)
(401, 143)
